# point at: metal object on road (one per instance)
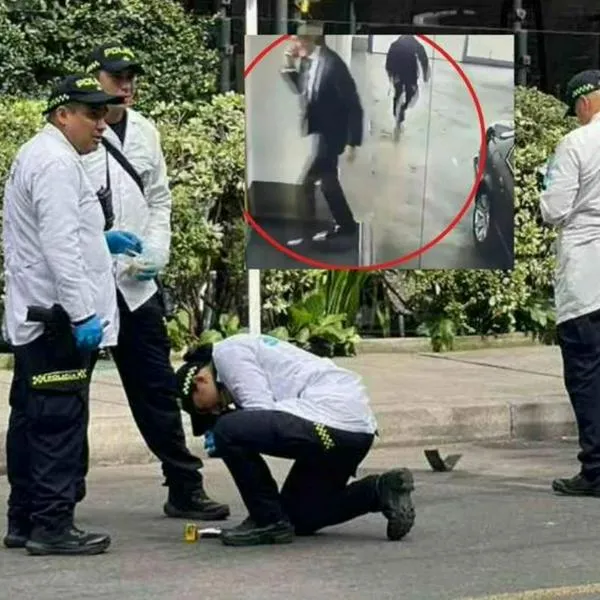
(439, 464)
(192, 533)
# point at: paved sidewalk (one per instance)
(419, 399)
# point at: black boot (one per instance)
(17, 534)
(248, 533)
(394, 489)
(194, 503)
(71, 541)
(576, 486)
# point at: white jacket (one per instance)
(54, 245)
(571, 202)
(264, 373)
(149, 215)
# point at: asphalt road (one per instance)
(489, 527)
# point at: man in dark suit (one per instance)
(332, 111)
(401, 65)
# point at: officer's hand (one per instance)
(88, 334)
(209, 444)
(123, 242)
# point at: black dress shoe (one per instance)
(194, 504)
(248, 533)
(72, 541)
(394, 490)
(576, 486)
(16, 535)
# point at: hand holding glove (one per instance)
(123, 242)
(88, 334)
(146, 271)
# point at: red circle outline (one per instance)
(455, 221)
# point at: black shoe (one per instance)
(194, 504)
(72, 542)
(248, 533)
(80, 492)
(576, 486)
(394, 489)
(17, 535)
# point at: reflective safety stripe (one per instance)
(54, 378)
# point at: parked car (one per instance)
(493, 210)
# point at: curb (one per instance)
(116, 440)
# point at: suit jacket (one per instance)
(334, 110)
(402, 57)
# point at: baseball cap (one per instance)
(113, 57)
(581, 84)
(81, 88)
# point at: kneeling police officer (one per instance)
(290, 404)
(57, 257)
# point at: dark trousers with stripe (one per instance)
(579, 341)
(45, 438)
(316, 493)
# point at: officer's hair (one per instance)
(51, 116)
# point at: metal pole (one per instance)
(226, 45)
(522, 58)
(281, 19)
(254, 299)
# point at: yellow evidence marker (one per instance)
(192, 533)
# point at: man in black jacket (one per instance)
(401, 65)
(332, 111)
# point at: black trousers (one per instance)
(579, 341)
(45, 438)
(142, 357)
(409, 88)
(324, 166)
(316, 493)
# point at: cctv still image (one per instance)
(366, 149)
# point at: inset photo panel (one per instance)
(382, 151)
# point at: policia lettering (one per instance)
(68, 380)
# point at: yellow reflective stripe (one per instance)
(59, 377)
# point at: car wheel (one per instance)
(482, 215)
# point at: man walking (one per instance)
(402, 68)
(131, 162)
(571, 202)
(333, 112)
(56, 255)
(266, 396)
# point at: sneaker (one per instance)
(576, 486)
(73, 541)
(17, 535)
(248, 533)
(194, 505)
(394, 489)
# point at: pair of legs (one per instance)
(142, 357)
(323, 167)
(579, 341)
(316, 493)
(409, 89)
(44, 445)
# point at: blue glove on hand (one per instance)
(123, 242)
(88, 335)
(209, 444)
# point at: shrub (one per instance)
(41, 41)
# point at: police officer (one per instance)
(259, 395)
(56, 254)
(142, 204)
(401, 65)
(571, 202)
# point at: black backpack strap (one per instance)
(122, 160)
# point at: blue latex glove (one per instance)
(123, 242)
(209, 444)
(88, 335)
(149, 272)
